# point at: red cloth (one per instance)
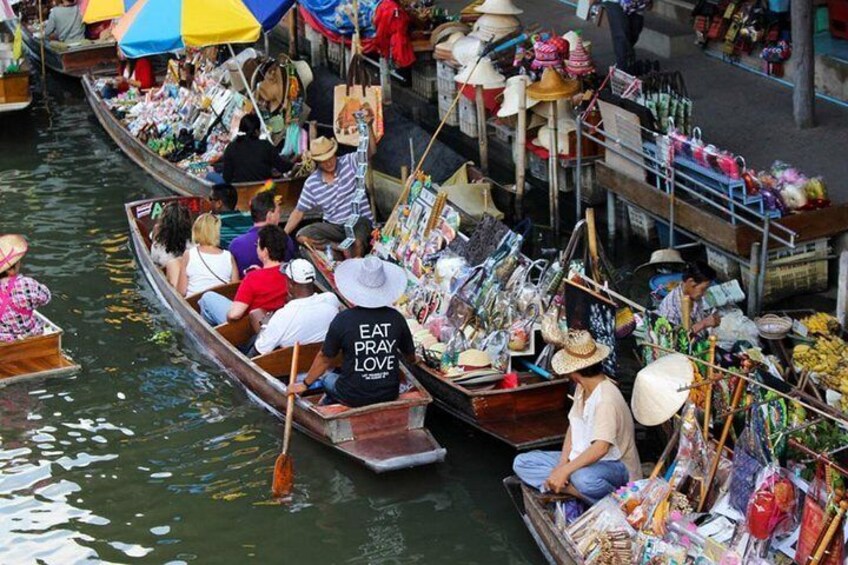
(392, 35)
(142, 72)
(490, 97)
(263, 288)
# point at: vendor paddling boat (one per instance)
(383, 437)
(70, 59)
(35, 357)
(165, 172)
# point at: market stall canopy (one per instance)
(101, 10)
(151, 27)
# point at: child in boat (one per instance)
(19, 295)
(599, 452)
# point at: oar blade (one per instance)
(283, 476)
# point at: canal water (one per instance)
(151, 454)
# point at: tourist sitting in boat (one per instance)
(248, 158)
(262, 291)
(599, 452)
(170, 238)
(65, 23)
(305, 318)
(224, 198)
(331, 189)
(206, 266)
(19, 295)
(372, 336)
(697, 278)
(264, 211)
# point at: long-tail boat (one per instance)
(539, 520)
(35, 357)
(88, 56)
(383, 437)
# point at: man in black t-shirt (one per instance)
(371, 336)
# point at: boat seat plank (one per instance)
(278, 362)
(531, 428)
(228, 290)
(237, 333)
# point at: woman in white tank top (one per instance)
(206, 266)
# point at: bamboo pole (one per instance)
(553, 170)
(43, 39)
(520, 149)
(592, 236)
(725, 432)
(686, 314)
(482, 133)
(831, 531)
(292, 27)
(709, 400)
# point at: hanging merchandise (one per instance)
(357, 95)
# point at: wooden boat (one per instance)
(73, 60)
(14, 91)
(540, 522)
(35, 357)
(530, 416)
(166, 173)
(383, 437)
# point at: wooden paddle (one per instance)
(283, 468)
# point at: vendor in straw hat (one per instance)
(599, 453)
(371, 336)
(19, 295)
(331, 189)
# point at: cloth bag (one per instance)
(357, 95)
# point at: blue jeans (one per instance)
(214, 307)
(593, 482)
(328, 381)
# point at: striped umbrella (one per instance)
(101, 10)
(162, 26)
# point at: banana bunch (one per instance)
(821, 323)
(828, 359)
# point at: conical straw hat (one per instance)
(553, 87)
(656, 397)
(12, 249)
(509, 106)
(491, 27)
(499, 7)
(484, 75)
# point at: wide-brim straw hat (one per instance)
(491, 27)
(484, 74)
(370, 282)
(553, 87)
(499, 7)
(304, 73)
(662, 257)
(447, 30)
(509, 105)
(580, 350)
(544, 137)
(322, 148)
(13, 247)
(656, 394)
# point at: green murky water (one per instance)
(151, 454)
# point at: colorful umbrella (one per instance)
(161, 26)
(101, 10)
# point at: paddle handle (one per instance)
(290, 399)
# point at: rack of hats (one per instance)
(191, 125)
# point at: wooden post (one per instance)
(842, 290)
(385, 81)
(553, 171)
(43, 39)
(315, 50)
(686, 314)
(520, 150)
(592, 236)
(292, 25)
(481, 129)
(404, 174)
(803, 54)
(313, 130)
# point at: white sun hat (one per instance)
(370, 282)
(545, 137)
(484, 74)
(509, 105)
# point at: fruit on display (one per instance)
(821, 323)
(827, 358)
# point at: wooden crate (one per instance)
(14, 88)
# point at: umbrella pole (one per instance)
(249, 93)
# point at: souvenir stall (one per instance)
(768, 227)
(190, 125)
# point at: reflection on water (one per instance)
(151, 454)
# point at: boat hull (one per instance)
(37, 357)
(14, 92)
(384, 437)
(76, 61)
(539, 523)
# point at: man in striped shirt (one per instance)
(331, 189)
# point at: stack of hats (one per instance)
(579, 62)
(544, 138)
(509, 105)
(499, 8)
(492, 27)
(484, 74)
